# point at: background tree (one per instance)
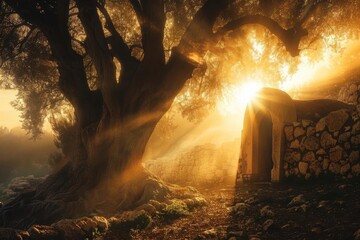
(120, 64)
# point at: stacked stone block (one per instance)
(202, 165)
(329, 146)
(350, 93)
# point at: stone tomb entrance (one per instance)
(262, 141)
(264, 144)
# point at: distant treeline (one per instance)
(21, 156)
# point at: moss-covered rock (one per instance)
(176, 209)
(138, 219)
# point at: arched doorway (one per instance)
(262, 161)
(262, 138)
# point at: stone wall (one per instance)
(350, 93)
(329, 146)
(202, 165)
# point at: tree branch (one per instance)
(81, 43)
(9, 36)
(179, 67)
(119, 48)
(25, 39)
(151, 17)
(153, 26)
(139, 13)
(27, 10)
(307, 12)
(62, 13)
(99, 51)
(199, 32)
(290, 37)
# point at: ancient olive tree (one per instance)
(110, 61)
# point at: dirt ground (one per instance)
(322, 210)
(302, 211)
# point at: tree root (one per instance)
(133, 192)
(61, 196)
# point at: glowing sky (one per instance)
(9, 117)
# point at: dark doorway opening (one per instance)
(264, 161)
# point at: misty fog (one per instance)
(21, 156)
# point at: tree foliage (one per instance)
(27, 60)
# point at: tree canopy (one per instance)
(28, 64)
